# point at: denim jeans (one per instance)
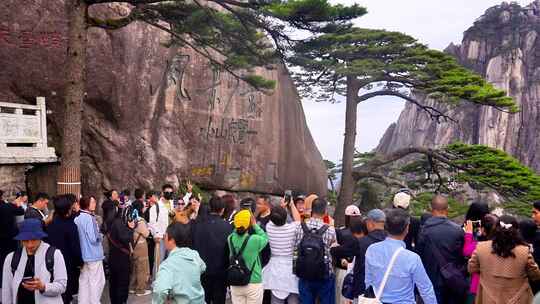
(323, 289)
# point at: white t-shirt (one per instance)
(20, 218)
(158, 222)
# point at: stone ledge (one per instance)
(27, 159)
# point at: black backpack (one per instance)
(49, 261)
(238, 274)
(312, 262)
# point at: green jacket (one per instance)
(255, 245)
(179, 277)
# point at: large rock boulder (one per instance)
(502, 45)
(156, 114)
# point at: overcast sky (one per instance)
(434, 22)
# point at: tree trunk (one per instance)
(345, 197)
(69, 177)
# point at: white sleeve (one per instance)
(187, 197)
(7, 276)
(152, 224)
(163, 221)
(59, 285)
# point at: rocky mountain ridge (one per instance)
(503, 46)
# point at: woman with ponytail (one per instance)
(504, 264)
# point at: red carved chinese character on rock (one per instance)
(43, 39)
(55, 39)
(26, 40)
(5, 37)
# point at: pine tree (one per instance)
(233, 35)
(361, 64)
(440, 170)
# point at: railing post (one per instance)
(40, 102)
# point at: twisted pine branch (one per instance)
(433, 113)
(132, 2)
(382, 160)
(386, 180)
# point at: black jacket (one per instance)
(412, 237)
(536, 247)
(120, 237)
(64, 236)
(8, 212)
(535, 285)
(210, 241)
(348, 245)
(359, 271)
(449, 239)
(266, 252)
(109, 209)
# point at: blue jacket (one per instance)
(90, 237)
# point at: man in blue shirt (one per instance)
(407, 270)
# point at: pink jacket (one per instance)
(468, 249)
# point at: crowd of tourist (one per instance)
(261, 250)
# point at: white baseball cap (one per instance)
(352, 210)
(402, 200)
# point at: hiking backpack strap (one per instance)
(319, 231)
(322, 230)
(49, 261)
(15, 260)
(244, 244)
(305, 228)
(136, 241)
(233, 251)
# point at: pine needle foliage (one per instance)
(391, 62)
(236, 35)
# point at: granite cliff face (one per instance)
(503, 45)
(155, 114)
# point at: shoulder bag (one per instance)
(377, 300)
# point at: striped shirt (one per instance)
(281, 238)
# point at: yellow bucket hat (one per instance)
(242, 219)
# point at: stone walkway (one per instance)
(133, 299)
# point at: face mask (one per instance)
(168, 195)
